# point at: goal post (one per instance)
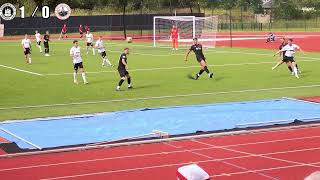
(189, 27)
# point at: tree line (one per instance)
(282, 9)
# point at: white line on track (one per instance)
(254, 154)
(173, 152)
(163, 97)
(261, 170)
(170, 165)
(21, 70)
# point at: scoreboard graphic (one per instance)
(8, 11)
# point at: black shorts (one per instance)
(64, 33)
(27, 51)
(46, 45)
(199, 59)
(288, 59)
(81, 33)
(89, 44)
(39, 43)
(76, 66)
(123, 72)
(103, 54)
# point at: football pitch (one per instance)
(160, 77)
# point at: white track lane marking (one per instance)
(21, 70)
(170, 165)
(164, 97)
(261, 170)
(255, 155)
(171, 152)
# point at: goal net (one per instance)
(203, 28)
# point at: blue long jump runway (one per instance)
(66, 131)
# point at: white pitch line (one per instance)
(21, 70)
(177, 67)
(161, 97)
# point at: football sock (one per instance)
(84, 77)
(107, 61)
(120, 82)
(74, 76)
(290, 69)
(129, 80)
(200, 72)
(206, 69)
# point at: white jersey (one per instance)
(100, 46)
(26, 43)
(290, 50)
(38, 37)
(89, 38)
(76, 54)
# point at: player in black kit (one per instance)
(46, 43)
(123, 69)
(197, 49)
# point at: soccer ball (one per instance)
(129, 39)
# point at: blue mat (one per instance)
(67, 131)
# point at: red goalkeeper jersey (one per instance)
(174, 33)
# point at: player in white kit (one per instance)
(89, 38)
(26, 46)
(77, 62)
(38, 40)
(102, 51)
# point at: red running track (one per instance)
(289, 154)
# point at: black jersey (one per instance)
(197, 49)
(46, 37)
(121, 65)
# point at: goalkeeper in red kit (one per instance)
(174, 35)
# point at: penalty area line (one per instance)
(21, 70)
(161, 97)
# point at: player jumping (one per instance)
(197, 49)
(174, 35)
(26, 46)
(89, 38)
(123, 69)
(282, 55)
(38, 40)
(101, 50)
(290, 49)
(77, 62)
(46, 39)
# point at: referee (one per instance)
(123, 69)
(46, 40)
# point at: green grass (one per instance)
(23, 89)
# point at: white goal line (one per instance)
(163, 97)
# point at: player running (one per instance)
(123, 69)
(26, 46)
(89, 38)
(46, 39)
(290, 49)
(197, 49)
(102, 51)
(77, 62)
(80, 31)
(63, 31)
(174, 35)
(282, 55)
(38, 40)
